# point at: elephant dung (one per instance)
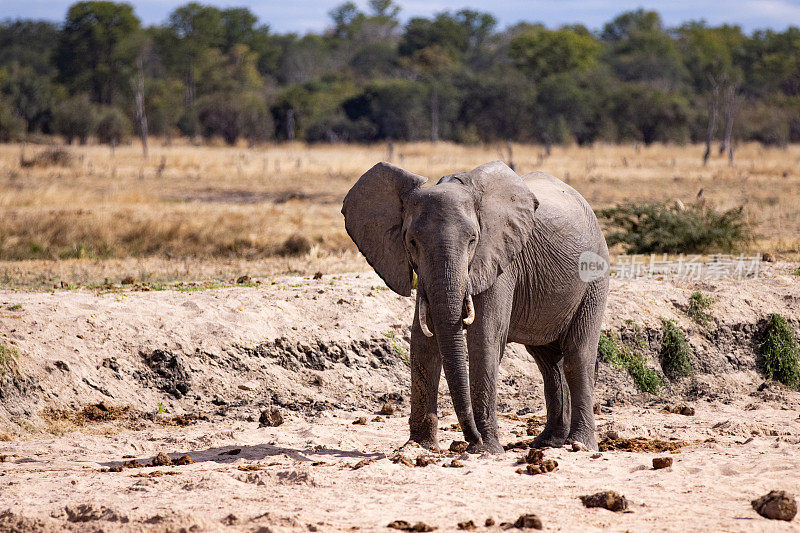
(777, 505)
(161, 459)
(402, 525)
(467, 525)
(270, 418)
(609, 499)
(387, 409)
(425, 461)
(458, 446)
(661, 462)
(528, 521)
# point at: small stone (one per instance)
(387, 409)
(249, 385)
(458, 446)
(528, 521)
(317, 275)
(360, 421)
(661, 462)
(596, 409)
(777, 505)
(184, 460)
(467, 525)
(685, 410)
(230, 520)
(612, 435)
(455, 463)
(270, 418)
(161, 459)
(609, 499)
(117, 468)
(399, 524)
(596, 455)
(489, 522)
(243, 279)
(579, 447)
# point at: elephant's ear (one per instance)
(505, 208)
(373, 217)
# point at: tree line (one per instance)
(211, 72)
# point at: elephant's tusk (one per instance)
(470, 311)
(423, 317)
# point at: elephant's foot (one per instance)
(549, 439)
(585, 437)
(427, 443)
(492, 446)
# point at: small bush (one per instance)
(671, 227)
(675, 351)
(780, 351)
(8, 359)
(614, 353)
(698, 304)
(12, 127)
(296, 244)
(75, 118)
(112, 126)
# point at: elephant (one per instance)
(499, 258)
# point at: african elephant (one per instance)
(507, 262)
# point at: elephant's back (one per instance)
(564, 212)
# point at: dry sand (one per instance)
(330, 351)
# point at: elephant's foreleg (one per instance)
(556, 395)
(426, 368)
(580, 354)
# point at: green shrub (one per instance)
(614, 353)
(780, 352)
(12, 126)
(8, 359)
(75, 118)
(113, 126)
(671, 227)
(698, 304)
(675, 351)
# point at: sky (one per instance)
(302, 16)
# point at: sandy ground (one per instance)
(327, 352)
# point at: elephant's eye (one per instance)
(412, 243)
(473, 240)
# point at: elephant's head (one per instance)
(458, 236)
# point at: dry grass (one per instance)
(198, 212)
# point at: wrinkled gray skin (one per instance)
(515, 248)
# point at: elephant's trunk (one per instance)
(447, 304)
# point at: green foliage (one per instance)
(541, 52)
(112, 126)
(698, 304)
(675, 351)
(796, 271)
(780, 352)
(11, 125)
(75, 118)
(671, 227)
(613, 352)
(8, 359)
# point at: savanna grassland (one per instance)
(189, 213)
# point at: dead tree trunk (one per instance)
(713, 112)
(290, 125)
(434, 114)
(731, 103)
(141, 116)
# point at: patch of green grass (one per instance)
(398, 348)
(780, 351)
(675, 351)
(613, 352)
(15, 307)
(698, 305)
(8, 359)
(796, 271)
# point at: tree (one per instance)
(75, 118)
(95, 53)
(29, 43)
(11, 125)
(30, 94)
(541, 53)
(112, 126)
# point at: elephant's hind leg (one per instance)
(579, 345)
(556, 395)
(426, 368)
